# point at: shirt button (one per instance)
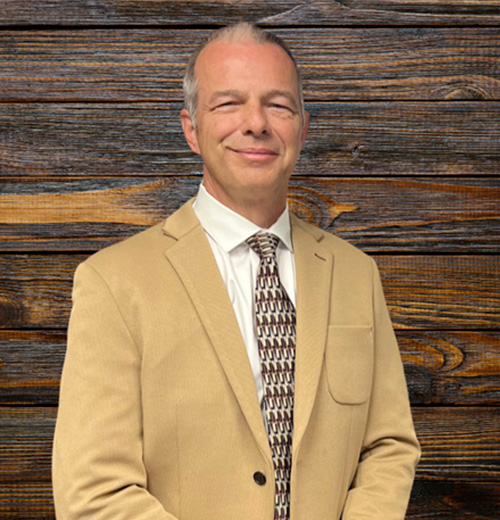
(259, 478)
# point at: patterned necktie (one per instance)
(275, 320)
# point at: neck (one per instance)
(262, 215)
(262, 210)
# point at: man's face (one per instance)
(248, 128)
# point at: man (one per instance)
(234, 362)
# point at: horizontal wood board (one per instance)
(459, 466)
(451, 215)
(438, 500)
(423, 292)
(354, 64)
(275, 13)
(345, 139)
(442, 367)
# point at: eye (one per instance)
(227, 104)
(280, 107)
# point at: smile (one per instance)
(255, 154)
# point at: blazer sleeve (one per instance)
(97, 457)
(386, 469)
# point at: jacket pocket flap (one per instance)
(349, 363)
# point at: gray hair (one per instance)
(235, 32)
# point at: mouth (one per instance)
(255, 154)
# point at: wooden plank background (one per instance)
(402, 160)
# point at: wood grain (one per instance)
(459, 444)
(35, 290)
(26, 444)
(424, 292)
(27, 501)
(460, 454)
(336, 64)
(397, 214)
(456, 292)
(30, 367)
(345, 139)
(439, 500)
(451, 368)
(445, 368)
(278, 12)
(402, 159)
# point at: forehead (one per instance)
(245, 66)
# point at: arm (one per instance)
(386, 469)
(98, 472)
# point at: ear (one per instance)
(305, 129)
(189, 131)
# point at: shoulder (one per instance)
(144, 251)
(132, 250)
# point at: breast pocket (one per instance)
(349, 363)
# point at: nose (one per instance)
(255, 120)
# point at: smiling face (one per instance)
(248, 130)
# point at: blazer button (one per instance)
(259, 478)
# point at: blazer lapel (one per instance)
(192, 258)
(313, 267)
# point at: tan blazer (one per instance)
(159, 417)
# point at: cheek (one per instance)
(224, 126)
(292, 138)
(288, 130)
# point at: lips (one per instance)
(255, 154)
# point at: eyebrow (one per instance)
(223, 93)
(268, 95)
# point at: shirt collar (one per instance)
(229, 229)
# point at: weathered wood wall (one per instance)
(402, 160)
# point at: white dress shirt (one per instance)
(238, 263)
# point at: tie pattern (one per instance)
(276, 335)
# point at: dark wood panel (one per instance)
(438, 500)
(452, 291)
(30, 367)
(337, 64)
(459, 138)
(425, 292)
(441, 367)
(105, 139)
(451, 368)
(26, 444)
(278, 12)
(403, 139)
(35, 290)
(459, 444)
(377, 214)
(27, 501)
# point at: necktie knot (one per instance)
(264, 244)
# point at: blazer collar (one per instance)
(192, 258)
(313, 267)
(181, 222)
